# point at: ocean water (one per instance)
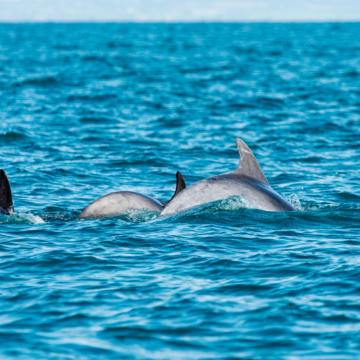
(87, 109)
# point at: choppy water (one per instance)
(87, 109)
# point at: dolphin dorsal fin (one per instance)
(248, 165)
(6, 203)
(180, 185)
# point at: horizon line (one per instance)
(178, 21)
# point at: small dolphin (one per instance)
(247, 181)
(117, 203)
(6, 202)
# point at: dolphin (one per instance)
(247, 181)
(6, 202)
(117, 203)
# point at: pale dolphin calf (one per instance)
(247, 182)
(6, 202)
(117, 203)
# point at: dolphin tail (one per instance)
(248, 165)
(6, 203)
(180, 185)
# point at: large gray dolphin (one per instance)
(247, 181)
(117, 203)
(6, 202)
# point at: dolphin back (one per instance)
(247, 181)
(6, 202)
(118, 203)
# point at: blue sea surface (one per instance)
(88, 109)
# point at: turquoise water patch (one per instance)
(89, 109)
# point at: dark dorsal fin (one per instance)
(248, 165)
(6, 203)
(180, 185)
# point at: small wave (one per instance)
(99, 58)
(325, 206)
(12, 135)
(349, 196)
(137, 216)
(294, 200)
(132, 216)
(232, 203)
(53, 213)
(353, 74)
(94, 97)
(309, 159)
(269, 102)
(95, 120)
(21, 218)
(38, 81)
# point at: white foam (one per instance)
(21, 218)
(295, 202)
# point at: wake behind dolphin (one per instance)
(247, 181)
